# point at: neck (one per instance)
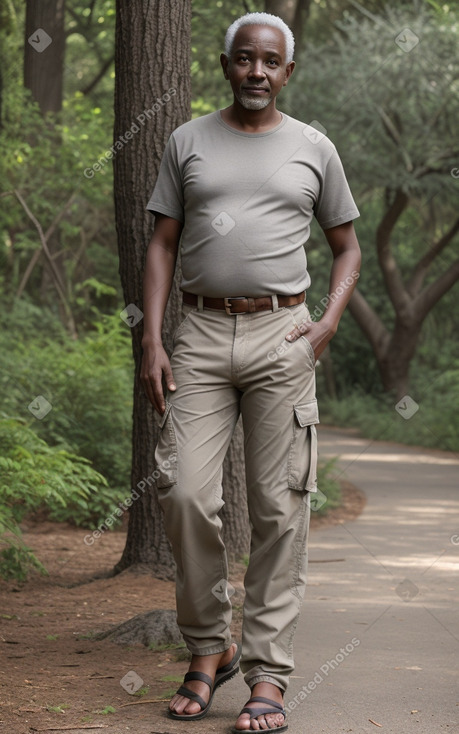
(251, 121)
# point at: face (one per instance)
(257, 69)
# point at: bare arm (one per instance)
(343, 278)
(157, 283)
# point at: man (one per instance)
(240, 187)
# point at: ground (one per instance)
(55, 676)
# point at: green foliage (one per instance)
(391, 113)
(45, 161)
(88, 384)
(90, 32)
(16, 560)
(33, 475)
(143, 691)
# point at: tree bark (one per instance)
(44, 64)
(152, 59)
(394, 366)
(236, 531)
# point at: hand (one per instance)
(318, 334)
(155, 362)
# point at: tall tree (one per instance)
(152, 97)
(393, 116)
(44, 52)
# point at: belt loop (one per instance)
(275, 303)
(200, 303)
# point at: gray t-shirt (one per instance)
(246, 201)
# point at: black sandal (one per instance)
(254, 713)
(223, 674)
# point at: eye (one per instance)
(273, 62)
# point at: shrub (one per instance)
(32, 475)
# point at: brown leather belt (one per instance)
(243, 304)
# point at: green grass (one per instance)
(59, 709)
(106, 710)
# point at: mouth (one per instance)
(255, 90)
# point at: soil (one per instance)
(56, 677)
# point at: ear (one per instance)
(224, 61)
(288, 72)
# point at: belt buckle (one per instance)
(227, 303)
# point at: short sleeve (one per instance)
(167, 196)
(335, 204)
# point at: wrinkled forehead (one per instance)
(262, 38)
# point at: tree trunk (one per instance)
(44, 52)
(394, 366)
(152, 62)
(236, 531)
(411, 301)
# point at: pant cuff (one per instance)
(212, 650)
(266, 678)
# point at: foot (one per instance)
(205, 664)
(266, 721)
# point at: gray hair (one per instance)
(260, 19)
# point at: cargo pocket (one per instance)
(166, 451)
(302, 459)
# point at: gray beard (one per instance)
(253, 103)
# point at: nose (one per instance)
(256, 70)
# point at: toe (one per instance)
(183, 705)
(173, 702)
(274, 721)
(244, 723)
(192, 707)
(262, 723)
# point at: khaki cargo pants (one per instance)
(223, 366)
